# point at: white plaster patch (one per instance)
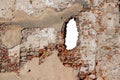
(41, 38)
(24, 5)
(49, 3)
(14, 51)
(93, 45)
(92, 17)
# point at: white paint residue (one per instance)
(14, 51)
(71, 35)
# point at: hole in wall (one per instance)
(70, 33)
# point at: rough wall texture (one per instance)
(32, 40)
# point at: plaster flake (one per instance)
(108, 20)
(14, 54)
(41, 38)
(14, 50)
(26, 6)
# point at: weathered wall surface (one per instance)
(31, 7)
(32, 40)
